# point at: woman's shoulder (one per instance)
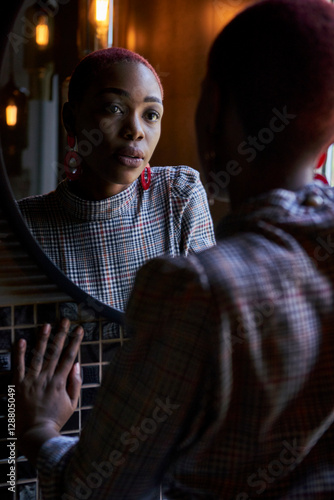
(181, 179)
(176, 172)
(50, 199)
(39, 200)
(38, 205)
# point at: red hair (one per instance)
(280, 54)
(99, 61)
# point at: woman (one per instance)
(233, 399)
(114, 212)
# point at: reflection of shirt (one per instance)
(100, 245)
(226, 388)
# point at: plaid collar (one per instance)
(281, 206)
(95, 210)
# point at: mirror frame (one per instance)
(17, 223)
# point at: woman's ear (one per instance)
(68, 118)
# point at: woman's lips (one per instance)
(130, 157)
(130, 161)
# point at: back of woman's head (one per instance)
(279, 55)
(99, 62)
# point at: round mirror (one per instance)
(26, 95)
(47, 38)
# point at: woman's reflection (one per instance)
(113, 212)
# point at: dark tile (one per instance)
(5, 361)
(109, 350)
(23, 315)
(6, 378)
(25, 470)
(5, 316)
(90, 375)
(73, 423)
(29, 334)
(90, 353)
(5, 340)
(88, 313)
(69, 310)
(91, 331)
(88, 396)
(5, 494)
(27, 491)
(46, 313)
(110, 331)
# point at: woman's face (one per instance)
(118, 124)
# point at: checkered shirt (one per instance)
(225, 390)
(100, 245)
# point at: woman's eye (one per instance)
(114, 109)
(153, 116)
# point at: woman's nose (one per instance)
(133, 128)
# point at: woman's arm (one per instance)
(146, 395)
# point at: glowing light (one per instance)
(11, 115)
(131, 39)
(102, 10)
(42, 32)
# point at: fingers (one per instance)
(74, 385)
(70, 353)
(55, 348)
(38, 352)
(50, 357)
(20, 351)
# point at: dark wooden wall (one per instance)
(175, 36)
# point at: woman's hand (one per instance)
(47, 393)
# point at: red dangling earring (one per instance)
(146, 182)
(317, 176)
(72, 161)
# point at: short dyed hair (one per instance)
(99, 61)
(280, 54)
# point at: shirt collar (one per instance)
(95, 210)
(278, 206)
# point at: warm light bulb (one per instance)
(11, 115)
(101, 10)
(42, 32)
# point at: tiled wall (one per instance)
(98, 346)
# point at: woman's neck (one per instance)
(95, 189)
(292, 179)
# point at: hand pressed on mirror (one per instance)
(47, 392)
